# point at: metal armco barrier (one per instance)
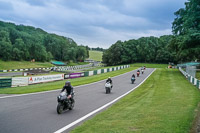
(191, 79)
(5, 82)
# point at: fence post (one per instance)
(95, 72)
(86, 74)
(192, 80)
(198, 84)
(102, 70)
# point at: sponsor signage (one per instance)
(47, 78)
(75, 75)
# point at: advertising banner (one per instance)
(47, 78)
(75, 75)
(19, 81)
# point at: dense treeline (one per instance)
(186, 28)
(97, 49)
(183, 46)
(19, 42)
(145, 49)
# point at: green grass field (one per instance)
(95, 55)
(148, 65)
(78, 63)
(198, 75)
(165, 103)
(6, 65)
(59, 84)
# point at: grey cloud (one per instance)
(96, 22)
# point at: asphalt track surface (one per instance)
(37, 113)
(10, 74)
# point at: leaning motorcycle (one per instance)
(108, 87)
(64, 103)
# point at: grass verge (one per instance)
(7, 65)
(148, 65)
(59, 84)
(95, 55)
(198, 75)
(165, 103)
(76, 64)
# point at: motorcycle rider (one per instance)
(69, 90)
(142, 70)
(133, 76)
(138, 73)
(109, 80)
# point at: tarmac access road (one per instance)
(11, 74)
(36, 113)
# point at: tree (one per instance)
(186, 27)
(5, 46)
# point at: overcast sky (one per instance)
(96, 23)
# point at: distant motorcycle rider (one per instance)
(133, 76)
(69, 90)
(138, 73)
(109, 80)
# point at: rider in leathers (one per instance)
(69, 90)
(110, 81)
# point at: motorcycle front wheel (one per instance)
(72, 105)
(59, 108)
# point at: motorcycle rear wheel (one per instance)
(107, 91)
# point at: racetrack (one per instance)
(37, 113)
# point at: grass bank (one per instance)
(150, 65)
(6, 65)
(165, 103)
(76, 64)
(198, 75)
(95, 55)
(59, 84)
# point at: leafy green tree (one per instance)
(5, 46)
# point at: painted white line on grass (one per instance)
(97, 110)
(19, 95)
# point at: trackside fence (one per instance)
(190, 78)
(25, 81)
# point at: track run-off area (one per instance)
(37, 112)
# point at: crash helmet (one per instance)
(67, 83)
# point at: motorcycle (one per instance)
(108, 87)
(142, 71)
(138, 73)
(132, 80)
(64, 103)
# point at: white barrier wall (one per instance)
(19, 81)
(91, 73)
(192, 80)
(99, 71)
(24, 81)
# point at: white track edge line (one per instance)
(19, 95)
(102, 107)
